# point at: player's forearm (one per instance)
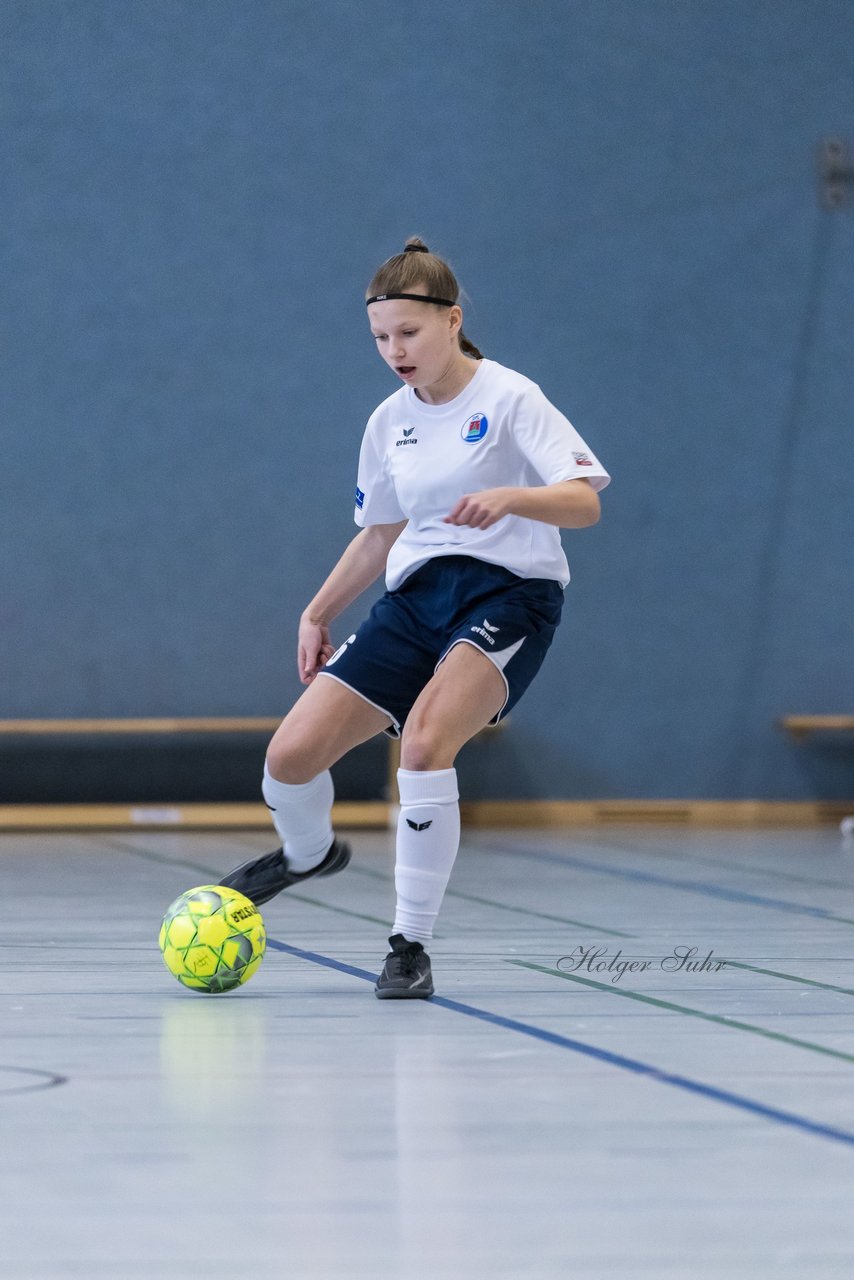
(570, 504)
(363, 561)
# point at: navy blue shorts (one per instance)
(450, 600)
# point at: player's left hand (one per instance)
(481, 510)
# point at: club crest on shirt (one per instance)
(475, 429)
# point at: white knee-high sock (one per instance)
(428, 836)
(302, 816)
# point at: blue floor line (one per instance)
(601, 1055)
(692, 886)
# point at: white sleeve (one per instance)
(376, 500)
(551, 444)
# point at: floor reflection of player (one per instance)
(466, 474)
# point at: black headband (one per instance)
(416, 297)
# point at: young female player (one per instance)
(466, 474)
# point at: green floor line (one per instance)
(504, 906)
(692, 1013)
(745, 896)
(791, 977)
(753, 867)
(341, 911)
(540, 915)
(162, 859)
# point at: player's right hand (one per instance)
(314, 649)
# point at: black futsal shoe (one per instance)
(406, 973)
(262, 878)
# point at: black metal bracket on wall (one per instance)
(836, 173)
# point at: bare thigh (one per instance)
(462, 697)
(326, 722)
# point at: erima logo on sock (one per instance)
(419, 826)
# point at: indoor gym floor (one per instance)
(533, 1120)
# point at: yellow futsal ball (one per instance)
(212, 938)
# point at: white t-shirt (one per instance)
(417, 460)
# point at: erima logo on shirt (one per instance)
(487, 631)
(407, 435)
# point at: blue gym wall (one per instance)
(197, 193)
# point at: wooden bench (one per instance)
(364, 813)
(359, 813)
(141, 726)
(802, 726)
(377, 813)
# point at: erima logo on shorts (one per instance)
(360, 497)
(485, 631)
(475, 429)
(408, 437)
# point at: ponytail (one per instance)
(468, 348)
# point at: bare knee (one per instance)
(289, 759)
(422, 749)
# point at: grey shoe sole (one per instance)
(404, 993)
